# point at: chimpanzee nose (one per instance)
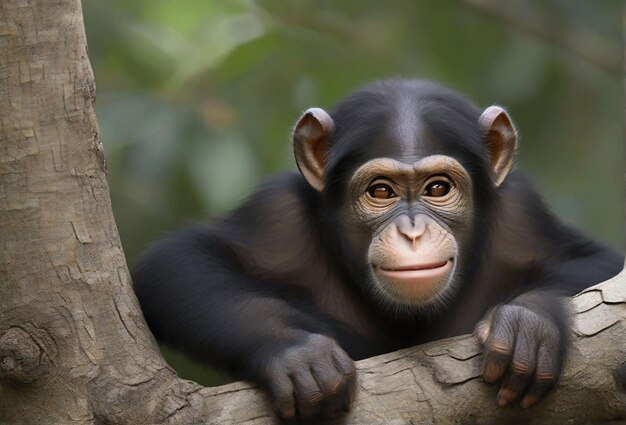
(412, 229)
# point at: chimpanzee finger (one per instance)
(331, 383)
(548, 368)
(350, 394)
(483, 327)
(343, 362)
(308, 394)
(346, 367)
(500, 343)
(281, 392)
(481, 331)
(522, 366)
(327, 377)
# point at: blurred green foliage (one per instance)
(196, 98)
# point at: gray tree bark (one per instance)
(74, 347)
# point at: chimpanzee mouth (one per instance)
(421, 274)
(415, 267)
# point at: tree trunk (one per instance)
(74, 347)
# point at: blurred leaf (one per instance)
(223, 172)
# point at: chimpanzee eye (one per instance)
(437, 188)
(381, 191)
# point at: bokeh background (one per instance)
(196, 98)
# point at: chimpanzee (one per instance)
(405, 225)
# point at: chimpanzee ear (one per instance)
(501, 140)
(311, 142)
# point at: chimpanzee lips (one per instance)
(423, 266)
(418, 273)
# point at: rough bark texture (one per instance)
(73, 344)
(74, 347)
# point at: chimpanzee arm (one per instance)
(544, 253)
(526, 338)
(196, 295)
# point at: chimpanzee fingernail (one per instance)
(288, 413)
(528, 401)
(482, 332)
(505, 396)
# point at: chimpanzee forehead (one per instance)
(405, 120)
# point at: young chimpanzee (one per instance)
(405, 225)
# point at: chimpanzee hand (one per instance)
(313, 377)
(524, 345)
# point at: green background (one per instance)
(197, 98)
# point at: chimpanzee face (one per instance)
(405, 200)
(415, 217)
